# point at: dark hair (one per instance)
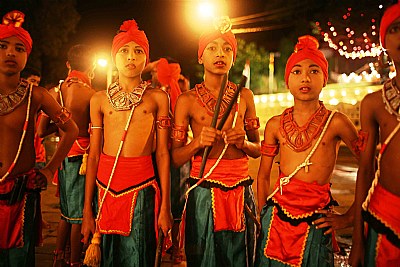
(81, 57)
(29, 71)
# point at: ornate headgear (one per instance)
(168, 74)
(128, 32)
(222, 29)
(12, 26)
(390, 15)
(307, 48)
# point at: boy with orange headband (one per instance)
(378, 195)
(219, 231)
(297, 218)
(20, 183)
(125, 118)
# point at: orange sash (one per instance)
(299, 200)
(76, 150)
(228, 204)
(12, 217)
(384, 206)
(132, 174)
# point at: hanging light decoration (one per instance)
(349, 43)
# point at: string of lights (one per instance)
(348, 43)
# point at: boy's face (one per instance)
(130, 59)
(392, 40)
(13, 55)
(34, 79)
(217, 57)
(306, 80)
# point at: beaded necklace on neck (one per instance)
(121, 100)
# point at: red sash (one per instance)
(131, 175)
(385, 207)
(76, 150)
(286, 242)
(228, 206)
(12, 217)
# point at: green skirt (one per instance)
(139, 248)
(318, 250)
(24, 256)
(207, 248)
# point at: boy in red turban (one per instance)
(378, 196)
(297, 218)
(219, 231)
(125, 118)
(20, 183)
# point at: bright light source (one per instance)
(206, 10)
(102, 62)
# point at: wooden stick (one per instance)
(213, 124)
(233, 102)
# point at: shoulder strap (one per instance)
(285, 180)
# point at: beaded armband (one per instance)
(251, 123)
(62, 116)
(163, 122)
(179, 133)
(269, 150)
(360, 143)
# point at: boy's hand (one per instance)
(42, 176)
(165, 221)
(235, 136)
(88, 226)
(208, 136)
(332, 220)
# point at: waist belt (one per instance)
(209, 184)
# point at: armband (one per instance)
(91, 128)
(163, 122)
(269, 150)
(62, 116)
(360, 143)
(179, 133)
(251, 123)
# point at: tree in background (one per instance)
(50, 23)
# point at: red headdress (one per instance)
(306, 48)
(128, 32)
(222, 30)
(390, 15)
(12, 26)
(168, 74)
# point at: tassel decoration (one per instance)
(93, 252)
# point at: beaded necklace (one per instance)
(208, 100)
(391, 98)
(300, 138)
(9, 102)
(121, 100)
(28, 108)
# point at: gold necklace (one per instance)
(208, 100)
(391, 98)
(121, 100)
(9, 102)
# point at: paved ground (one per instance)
(343, 185)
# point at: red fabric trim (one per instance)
(75, 150)
(118, 209)
(387, 254)
(13, 216)
(228, 206)
(385, 206)
(300, 199)
(80, 75)
(286, 242)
